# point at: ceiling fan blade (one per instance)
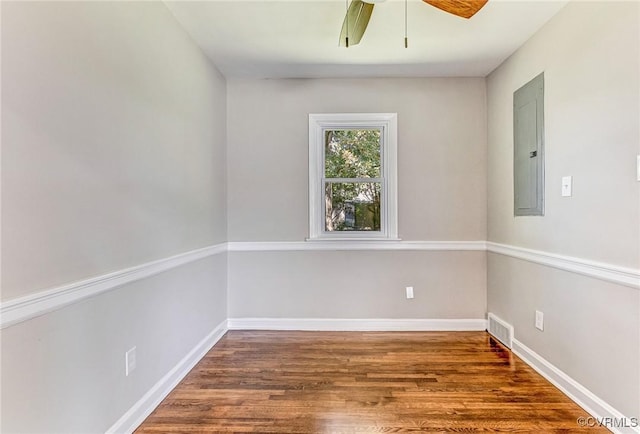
(461, 8)
(355, 21)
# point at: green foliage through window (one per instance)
(350, 203)
(352, 154)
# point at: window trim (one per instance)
(387, 123)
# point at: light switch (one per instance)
(566, 186)
(638, 167)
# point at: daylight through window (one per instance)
(352, 183)
(352, 176)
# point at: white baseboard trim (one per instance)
(591, 403)
(145, 405)
(24, 308)
(333, 245)
(324, 324)
(599, 270)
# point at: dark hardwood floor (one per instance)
(356, 382)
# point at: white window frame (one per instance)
(387, 123)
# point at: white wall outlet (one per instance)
(638, 167)
(409, 290)
(130, 361)
(539, 320)
(567, 182)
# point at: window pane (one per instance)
(352, 206)
(352, 154)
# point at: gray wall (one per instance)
(441, 195)
(113, 155)
(589, 54)
(345, 284)
(64, 372)
(113, 129)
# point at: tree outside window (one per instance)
(353, 176)
(352, 180)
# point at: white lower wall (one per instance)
(64, 372)
(357, 284)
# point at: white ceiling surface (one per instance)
(283, 39)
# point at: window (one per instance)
(352, 176)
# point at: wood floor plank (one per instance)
(357, 382)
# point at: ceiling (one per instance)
(282, 39)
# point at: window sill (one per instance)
(342, 239)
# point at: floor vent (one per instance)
(501, 330)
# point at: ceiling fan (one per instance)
(359, 12)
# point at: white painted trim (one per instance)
(599, 270)
(31, 306)
(388, 124)
(154, 396)
(355, 245)
(586, 399)
(338, 324)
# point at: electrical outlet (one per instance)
(409, 290)
(130, 361)
(539, 320)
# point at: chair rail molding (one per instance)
(39, 303)
(355, 244)
(30, 306)
(611, 273)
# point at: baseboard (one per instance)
(145, 405)
(324, 324)
(592, 404)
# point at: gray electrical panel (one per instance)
(528, 148)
